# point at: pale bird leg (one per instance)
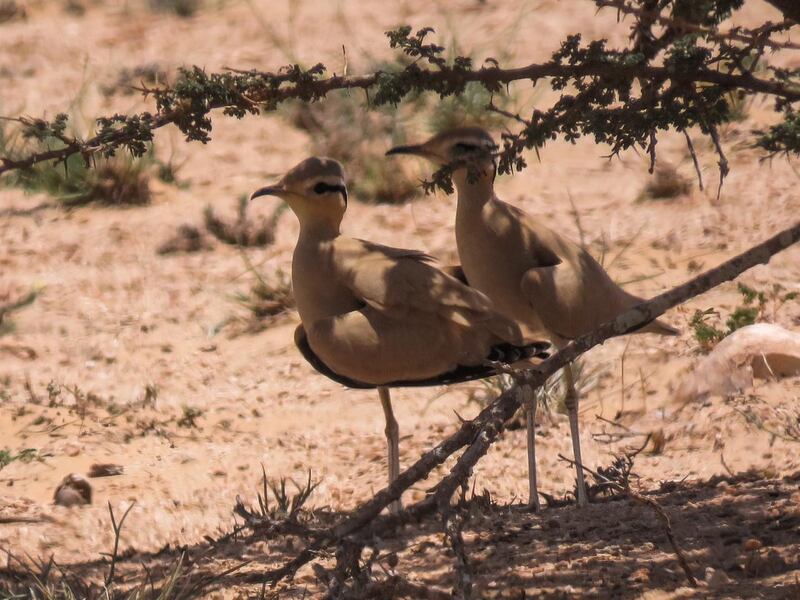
(571, 402)
(529, 400)
(393, 442)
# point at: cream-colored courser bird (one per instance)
(547, 283)
(375, 316)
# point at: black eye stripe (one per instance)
(466, 146)
(323, 187)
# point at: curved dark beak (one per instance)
(416, 149)
(270, 190)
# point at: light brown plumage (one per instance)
(547, 283)
(379, 316)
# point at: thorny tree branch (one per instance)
(760, 35)
(267, 97)
(676, 79)
(481, 432)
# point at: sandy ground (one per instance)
(114, 320)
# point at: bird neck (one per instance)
(319, 228)
(473, 194)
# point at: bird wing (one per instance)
(543, 247)
(400, 281)
(575, 297)
(564, 284)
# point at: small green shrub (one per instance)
(115, 181)
(25, 455)
(754, 309)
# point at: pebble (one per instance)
(74, 490)
(752, 544)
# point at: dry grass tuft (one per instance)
(187, 239)
(150, 74)
(181, 8)
(265, 301)
(10, 10)
(666, 183)
(242, 232)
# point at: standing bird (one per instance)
(532, 274)
(374, 316)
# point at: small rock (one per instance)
(763, 351)
(74, 490)
(716, 578)
(640, 576)
(72, 449)
(752, 544)
(105, 470)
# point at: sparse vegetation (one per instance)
(287, 506)
(189, 417)
(756, 306)
(187, 239)
(265, 300)
(242, 232)
(25, 455)
(76, 8)
(11, 9)
(8, 306)
(549, 397)
(341, 128)
(666, 183)
(129, 79)
(181, 8)
(118, 180)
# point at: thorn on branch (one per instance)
(693, 154)
(724, 169)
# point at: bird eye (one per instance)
(321, 188)
(465, 147)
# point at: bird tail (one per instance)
(510, 353)
(660, 327)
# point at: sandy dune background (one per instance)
(115, 319)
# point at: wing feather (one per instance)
(399, 282)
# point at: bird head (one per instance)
(314, 189)
(462, 149)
